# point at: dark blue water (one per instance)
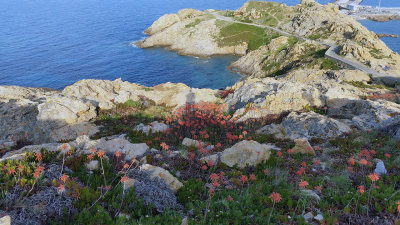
(54, 43)
(390, 27)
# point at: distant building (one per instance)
(353, 7)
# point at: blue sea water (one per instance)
(384, 3)
(54, 43)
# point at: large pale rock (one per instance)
(66, 109)
(303, 146)
(306, 125)
(243, 154)
(157, 172)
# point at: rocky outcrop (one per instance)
(40, 115)
(306, 125)
(190, 32)
(369, 115)
(107, 93)
(243, 154)
(255, 98)
(388, 35)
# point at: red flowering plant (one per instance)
(208, 122)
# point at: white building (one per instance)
(353, 7)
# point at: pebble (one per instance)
(380, 168)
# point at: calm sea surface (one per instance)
(54, 43)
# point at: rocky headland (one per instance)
(311, 28)
(298, 127)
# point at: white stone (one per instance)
(380, 168)
(319, 217)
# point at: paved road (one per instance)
(330, 53)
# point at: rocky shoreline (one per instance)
(115, 149)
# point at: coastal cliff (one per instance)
(300, 129)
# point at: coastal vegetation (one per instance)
(336, 185)
(232, 34)
(299, 140)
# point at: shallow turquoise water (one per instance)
(48, 43)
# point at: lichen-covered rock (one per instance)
(163, 174)
(306, 125)
(303, 146)
(243, 154)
